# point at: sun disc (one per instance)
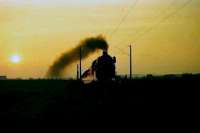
(15, 59)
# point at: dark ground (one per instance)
(35, 103)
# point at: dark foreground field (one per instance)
(33, 103)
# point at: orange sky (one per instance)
(165, 35)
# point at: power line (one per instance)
(163, 20)
(157, 24)
(133, 5)
(124, 18)
(158, 15)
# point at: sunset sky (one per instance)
(165, 34)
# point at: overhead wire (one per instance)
(165, 18)
(123, 19)
(160, 15)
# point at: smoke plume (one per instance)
(88, 46)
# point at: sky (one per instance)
(164, 34)
(59, 2)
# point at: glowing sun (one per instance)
(15, 59)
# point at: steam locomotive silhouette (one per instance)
(103, 68)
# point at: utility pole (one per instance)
(130, 61)
(80, 71)
(77, 70)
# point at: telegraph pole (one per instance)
(77, 70)
(130, 61)
(80, 67)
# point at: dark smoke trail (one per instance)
(88, 46)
